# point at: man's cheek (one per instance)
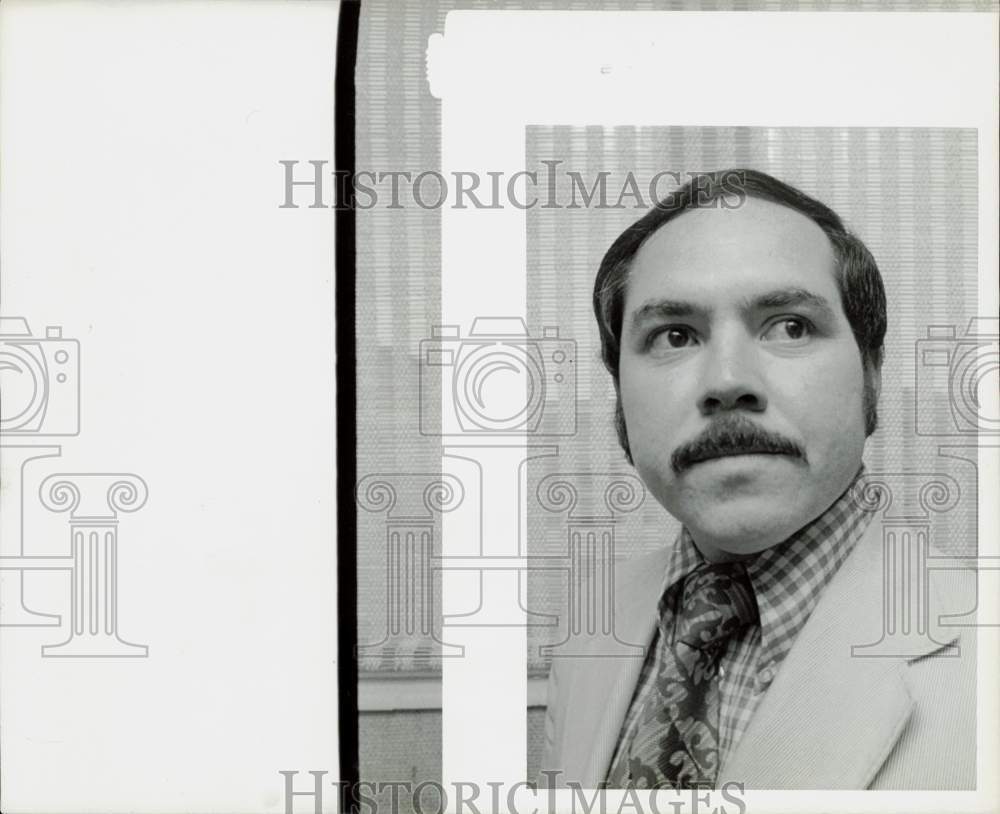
(818, 392)
(649, 422)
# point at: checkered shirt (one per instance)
(788, 580)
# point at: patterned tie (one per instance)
(676, 742)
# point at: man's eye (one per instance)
(788, 329)
(675, 337)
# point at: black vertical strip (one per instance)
(345, 294)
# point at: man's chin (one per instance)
(727, 535)
(745, 503)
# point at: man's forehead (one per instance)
(715, 250)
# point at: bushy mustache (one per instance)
(732, 436)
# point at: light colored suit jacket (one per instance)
(830, 719)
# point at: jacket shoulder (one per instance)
(937, 749)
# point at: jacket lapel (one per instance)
(830, 718)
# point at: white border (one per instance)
(139, 210)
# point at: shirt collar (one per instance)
(684, 558)
(788, 578)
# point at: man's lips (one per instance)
(736, 453)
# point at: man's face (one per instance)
(741, 382)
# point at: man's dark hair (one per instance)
(858, 279)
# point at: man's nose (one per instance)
(731, 379)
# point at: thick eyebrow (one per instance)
(653, 310)
(663, 309)
(788, 297)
